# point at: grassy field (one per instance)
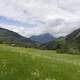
(31, 64)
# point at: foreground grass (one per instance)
(31, 64)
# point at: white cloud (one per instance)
(24, 9)
(58, 17)
(61, 29)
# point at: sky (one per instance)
(35, 17)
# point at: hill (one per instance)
(54, 45)
(73, 41)
(13, 38)
(69, 43)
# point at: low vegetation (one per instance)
(33, 64)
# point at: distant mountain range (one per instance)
(13, 38)
(69, 43)
(44, 38)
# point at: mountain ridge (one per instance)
(10, 37)
(68, 44)
(43, 38)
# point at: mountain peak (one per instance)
(43, 38)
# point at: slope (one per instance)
(10, 37)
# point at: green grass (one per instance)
(32, 64)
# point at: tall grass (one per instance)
(32, 64)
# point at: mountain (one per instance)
(68, 44)
(44, 38)
(72, 42)
(53, 45)
(13, 38)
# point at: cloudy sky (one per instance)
(35, 17)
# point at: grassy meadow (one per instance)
(32, 64)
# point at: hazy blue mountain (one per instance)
(44, 38)
(53, 45)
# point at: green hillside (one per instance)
(14, 39)
(68, 44)
(73, 42)
(32, 64)
(54, 45)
